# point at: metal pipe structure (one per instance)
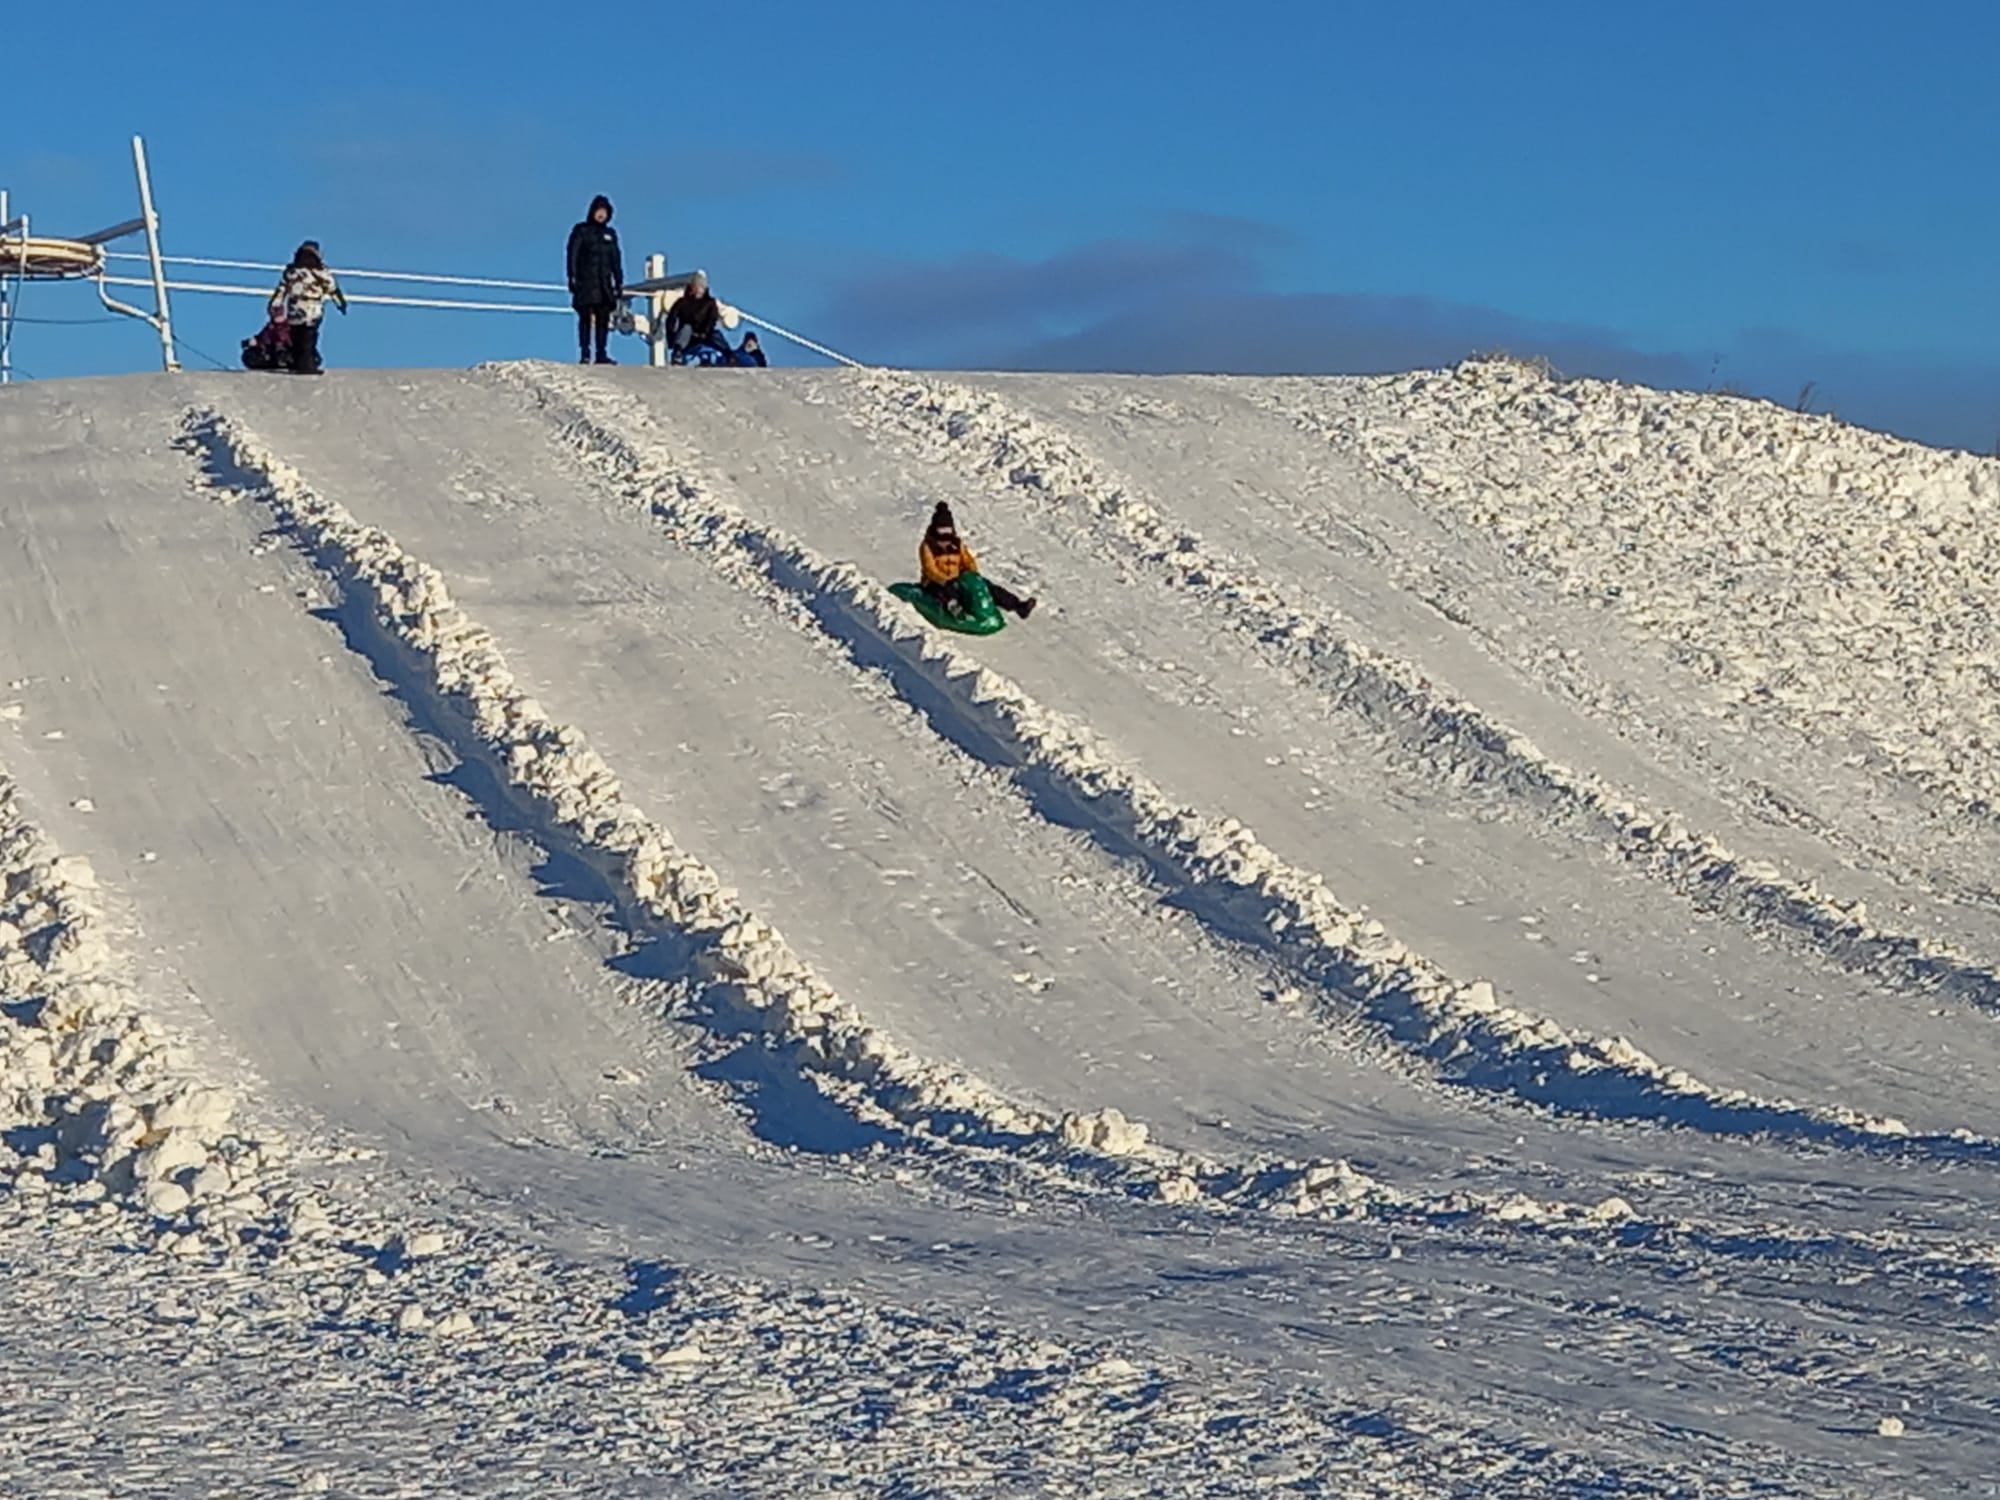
(804, 343)
(84, 256)
(656, 307)
(444, 303)
(164, 319)
(7, 227)
(351, 272)
(656, 320)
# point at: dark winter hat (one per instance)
(600, 201)
(941, 518)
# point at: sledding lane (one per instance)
(965, 924)
(319, 889)
(1231, 456)
(300, 871)
(1547, 911)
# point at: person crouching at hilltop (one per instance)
(694, 322)
(301, 298)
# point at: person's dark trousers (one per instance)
(593, 327)
(1007, 599)
(946, 594)
(305, 348)
(684, 354)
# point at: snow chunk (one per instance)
(1105, 1130)
(202, 1111)
(308, 1219)
(420, 1246)
(166, 1200)
(1114, 1371)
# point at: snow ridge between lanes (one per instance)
(980, 434)
(214, 1357)
(96, 1100)
(432, 1316)
(743, 961)
(1840, 577)
(1244, 890)
(112, 1144)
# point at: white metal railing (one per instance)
(803, 342)
(354, 274)
(658, 290)
(444, 304)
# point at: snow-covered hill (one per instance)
(1454, 955)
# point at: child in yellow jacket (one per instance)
(945, 559)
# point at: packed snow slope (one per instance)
(1455, 954)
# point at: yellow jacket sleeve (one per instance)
(948, 568)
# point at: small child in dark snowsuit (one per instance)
(945, 559)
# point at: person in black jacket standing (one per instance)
(596, 279)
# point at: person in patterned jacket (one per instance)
(301, 298)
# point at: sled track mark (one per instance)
(979, 434)
(1236, 884)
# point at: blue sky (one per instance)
(1751, 193)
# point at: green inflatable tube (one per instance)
(973, 611)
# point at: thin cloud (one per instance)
(1233, 230)
(1325, 333)
(1188, 303)
(913, 306)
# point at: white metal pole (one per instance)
(6, 327)
(165, 319)
(656, 320)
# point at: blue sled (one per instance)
(972, 610)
